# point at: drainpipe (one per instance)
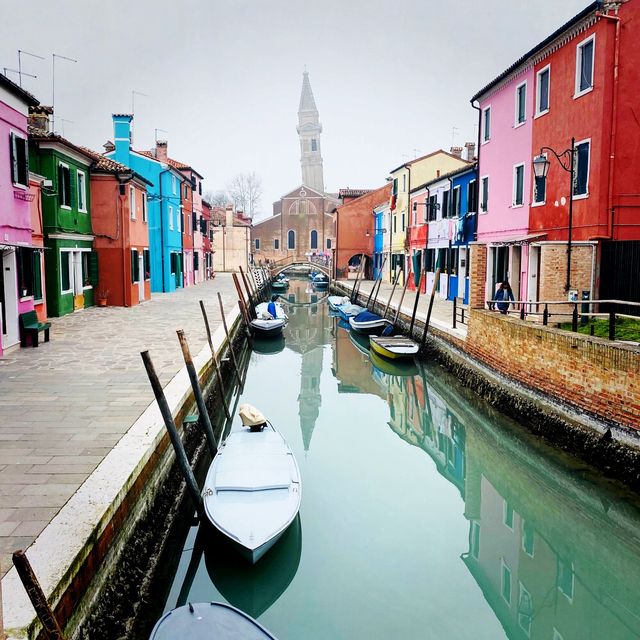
(405, 265)
(614, 120)
(450, 212)
(477, 202)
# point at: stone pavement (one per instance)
(64, 405)
(441, 314)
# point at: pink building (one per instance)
(506, 117)
(18, 258)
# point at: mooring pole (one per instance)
(50, 626)
(181, 456)
(241, 302)
(404, 290)
(214, 359)
(415, 304)
(354, 291)
(226, 332)
(197, 392)
(384, 315)
(246, 286)
(436, 279)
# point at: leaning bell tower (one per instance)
(309, 130)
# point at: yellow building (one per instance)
(406, 177)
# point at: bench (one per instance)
(30, 326)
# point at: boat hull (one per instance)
(349, 311)
(370, 327)
(394, 349)
(267, 328)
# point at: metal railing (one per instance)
(577, 312)
(460, 312)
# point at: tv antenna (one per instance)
(20, 72)
(53, 84)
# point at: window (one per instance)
(24, 259)
(521, 104)
(581, 169)
(395, 187)
(174, 262)
(132, 202)
(200, 188)
(64, 185)
(37, 275)
(180, 221)
(518, 185)
(564, 578)
(455, 203)
(146, 258)
(486, 124)
(474, 537)
(584, 66)
(314, 239)
(507, 515)
(65, 271)
(196, 260)
(395, 224)
(85, 258)
(472, 196)
(433, 207)
(171, 218)
(539, 188)
(19, 160)
(135, 267)
(257, 241)
(484, 194)
(525, 609)
(542, 90)
(505, 582)
(173, 184)
(527, 538)
(276, 243)
(291, 239)
(144, 207)
(82, 191)
(314, 144)
(445, 204)
(328, 243)
(404, 181)
(403, 222)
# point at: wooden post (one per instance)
(197, 392)
(404, 290)
(436, 279)
(50, 626)
(181, 456)
(214, 359)
(247, 287)
(415, 304)
(354, 291)
(236, 282)
(384, 315)
(226, 332)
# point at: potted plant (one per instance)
(102, 295)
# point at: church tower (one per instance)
(309, 130)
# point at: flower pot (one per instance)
(102, 302)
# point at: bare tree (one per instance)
(217, 198)
(246, 190)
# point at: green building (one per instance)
(71, 269)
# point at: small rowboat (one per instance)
(370, 323)
(394, 347)
(348, 310)
(208, 620)
(337, 301)
(264, 326)
(320, 281)
(253, 489)
(280, 285)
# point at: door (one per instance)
(462, 272)
(514, 271)
(141, 276)
(9, 300)
(534, 269)
(76, 274)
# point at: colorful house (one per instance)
(198, 226)
(381, 229)
(19, 261)
(37, 241)
(163, 199)
(120, 218)
(186, 214)
(207, 237)
(70, 262)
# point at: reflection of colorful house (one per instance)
(71, 267)
(119, 214)
(18, 260)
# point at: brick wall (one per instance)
(477, 275)
(553, 270)
(591, 374)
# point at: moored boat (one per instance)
(337, 301)
(280, 285)
(370, 323)
(348, 310)
(394, 347)
(253, 488)
(208, 620)
(265, 325)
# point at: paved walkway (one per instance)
(441, 314)
(64, 405)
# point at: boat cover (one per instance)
(367, 316)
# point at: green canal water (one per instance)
(425, 513)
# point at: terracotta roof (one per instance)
(352, 193)
(181, 166)
(40, 135)
(102, 163)
(428, 155)
(18, 91)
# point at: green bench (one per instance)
(30, 326)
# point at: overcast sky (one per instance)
(223, 77)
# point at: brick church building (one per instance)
(302, 222)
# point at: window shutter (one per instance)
(134, 266)
(147, 264)
(14, 157)
(93, 268)
(196, 260)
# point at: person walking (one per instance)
(504, 297)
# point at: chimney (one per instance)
(122, 136)
(456, 151)
(470, 148)
(108, 146)
(229, 215)
(39, 117)
(161, 150)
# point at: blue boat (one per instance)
(370, 324)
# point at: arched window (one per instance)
(314, 239)
(302, 207)
(291, 239)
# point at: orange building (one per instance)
(119, 217)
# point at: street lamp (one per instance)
(566, 159)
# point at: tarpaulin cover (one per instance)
(367, 316)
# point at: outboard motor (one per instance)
(252, 418)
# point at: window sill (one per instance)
(26, 298)
(538, 204)
(22, 187)
(485, 142)
(579, 94)
(66, 207)
(517, 125)
(82, 211)
(89, 286)
(38, 301)
(517, 206)
(581, 196)
(541, 113)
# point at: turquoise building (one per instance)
(164, 203)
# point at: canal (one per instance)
(425, 513)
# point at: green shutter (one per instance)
(94, 272)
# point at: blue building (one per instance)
(164, 203)
(378, 238)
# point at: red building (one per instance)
(121, 235)
(207, 235)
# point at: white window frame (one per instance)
(484, 138)
(404, 182)
(13, 135)
(557, 635)
(67, 207)
(144, 204)
(505, 505)
(457, 200)
(539, 112)
(513, 195)
(482, 190)
(470, 204)
(503, 566)
(132, 202)
(68, 253)
(534, 202)
(83, 190)
(579, 46)
(582, 196)
(524, 549)
(522, 588)
(170, 218)
(517, 124)
(573, 582)
(173, 183)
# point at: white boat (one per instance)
(337, 301)
(369, 323)
(348, 310)
(265, 326)
(253, 489)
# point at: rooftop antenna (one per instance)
(135, 93)
(156, 133)
(53, 85)
(63, 120)
(30, 75)
(454, 131)
(27, 53)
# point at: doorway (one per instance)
(140, 276)
(533, 284)
(9, 299)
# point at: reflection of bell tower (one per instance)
(309, 399)
(309, 130)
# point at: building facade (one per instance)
(231, 239)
